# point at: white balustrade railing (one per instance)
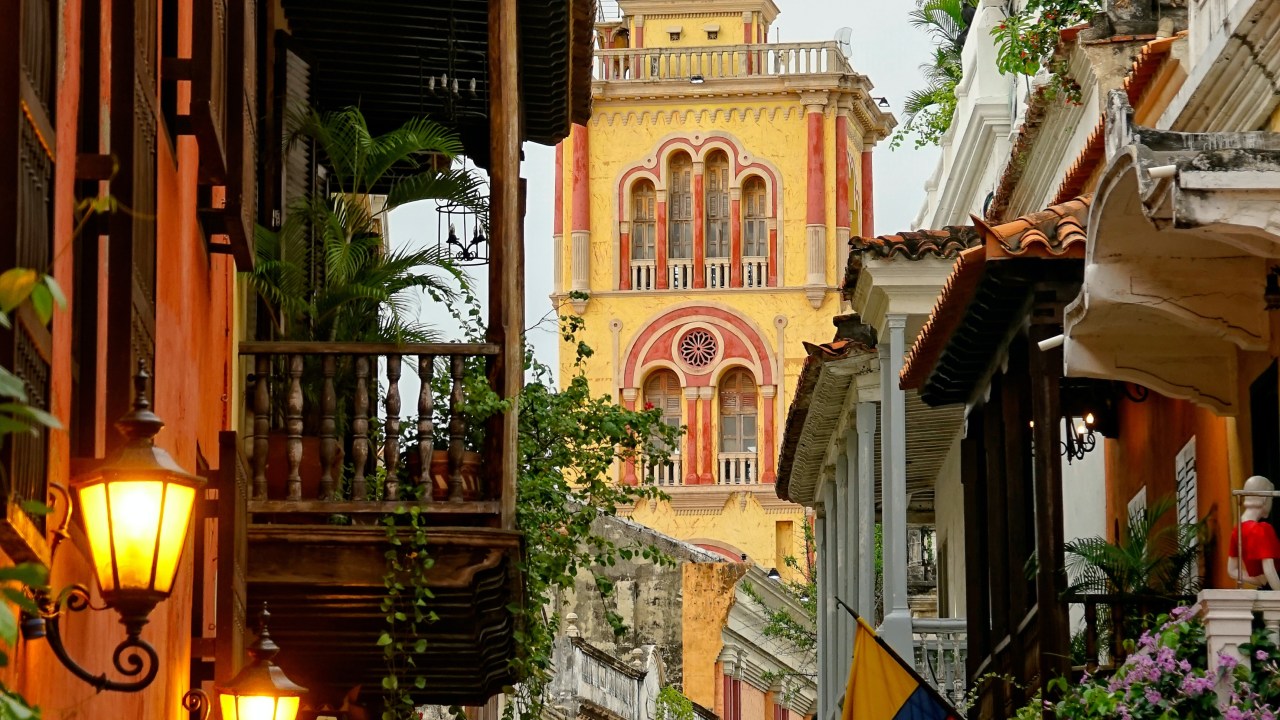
(644, 275)
(755, 272)
(680, 273)
(942, 655)
(738, 468)
(719, 61)
(665, 473)
(718, 271)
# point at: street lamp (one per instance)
(260, 691)
(136, 509)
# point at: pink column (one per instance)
(660, 240)
(773, 253)
(868, 201)
(629, 402)
(707, 456)
(691, 437)
(624, 255)
(699, 228)
(816, 196)
(767, 454)
(735, 238)
(843, 214)
(581, 180)
(557, 217)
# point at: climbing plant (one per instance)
(796, 632)
(928, 111)
(1028, 40)
(673, 705)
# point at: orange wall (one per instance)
(194, 345)
(1151, 434)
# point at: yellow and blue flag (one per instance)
(883, 687)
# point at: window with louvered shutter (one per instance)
(755, 226)
(717, 183)
(738, 410)
(643, 204)
(680, 207)
(662, 390)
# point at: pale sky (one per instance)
(885, 48)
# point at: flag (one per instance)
(883, 687)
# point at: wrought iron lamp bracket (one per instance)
(132, 658)
(197, 701)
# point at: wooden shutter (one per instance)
(28, 43)
(293, 92)
(242, 129)
(131, 256)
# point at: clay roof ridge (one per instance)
(946, 313)
(1054, 229)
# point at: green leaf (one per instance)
(29, 574)
(35, 507)
(42, 303)
(384, 639)
(12, 386)
(15, 287)
(8, 625)
(21, 599)
(55, 291)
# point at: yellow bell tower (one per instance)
(705, 212)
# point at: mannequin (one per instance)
(1261, 547)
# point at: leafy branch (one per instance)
(1028, 40)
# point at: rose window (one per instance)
(698, 348)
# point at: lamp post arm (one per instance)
(196, 700)
(133, 657)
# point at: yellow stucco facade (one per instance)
(702, 219)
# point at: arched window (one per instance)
(662, 391)
(717, 184)
(755, 226)
(738, 410)
(680, 207)
(643, 202)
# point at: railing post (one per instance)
(391, 443)
(261, 424)
(457, 429)
(360, 430)
(426, 426)
(328, 429)
(293, 425)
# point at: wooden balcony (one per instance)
(328, 458)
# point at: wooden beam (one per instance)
(977, 588)
(506, 233)
(356, 507)
(357, 348)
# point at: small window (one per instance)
(738, 401)
(662, 391)
(680, 208)
(713, 34)
(675, 36)
(643, 202)
(755, 226)
(717, 200)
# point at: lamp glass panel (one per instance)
(135, 523)
(178, 500)
(93, 508)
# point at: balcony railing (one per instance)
(738, 469)
(755, 272)
(644, 275)
(666, 474)
(328, 435)
(680, 273)
(720, 61)
(718, 272)
(941, 655)
(1110, 621)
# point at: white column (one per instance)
(867, 509)
(844, 570)
(853, 499)
(824, 641)
(832, 513)
(897, 620)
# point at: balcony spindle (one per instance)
(457, 429)
(391, 445)
(1091, 635)
(426, 429)
(293, 425)
(360, 430)
(328, 429)
(261, 424)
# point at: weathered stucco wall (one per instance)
(740, 525)
(708, 595)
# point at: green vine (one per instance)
(1028, 40)
(928, 112)
(406, 609)
(673, 705)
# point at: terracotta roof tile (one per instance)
(1058, 231)
(948, 242)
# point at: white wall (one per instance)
(948, 504)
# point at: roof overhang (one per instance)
(1180, 238)
(381, 54)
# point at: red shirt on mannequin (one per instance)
(1260, 543)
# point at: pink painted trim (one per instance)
(746, 34)
(660, 243)
(773, 257)
(581, 180)
(691, 444)
(631, 365)
(624, 276)
(706, 476)
(815, 198)
(735, 243)
(639, 33)
(766, 442)
(843, 216)
(557, 217)
(629, 472)
(868, 197)
(699, 232)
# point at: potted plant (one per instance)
(327, 274)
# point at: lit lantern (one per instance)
(136, 509)
(261, 691)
